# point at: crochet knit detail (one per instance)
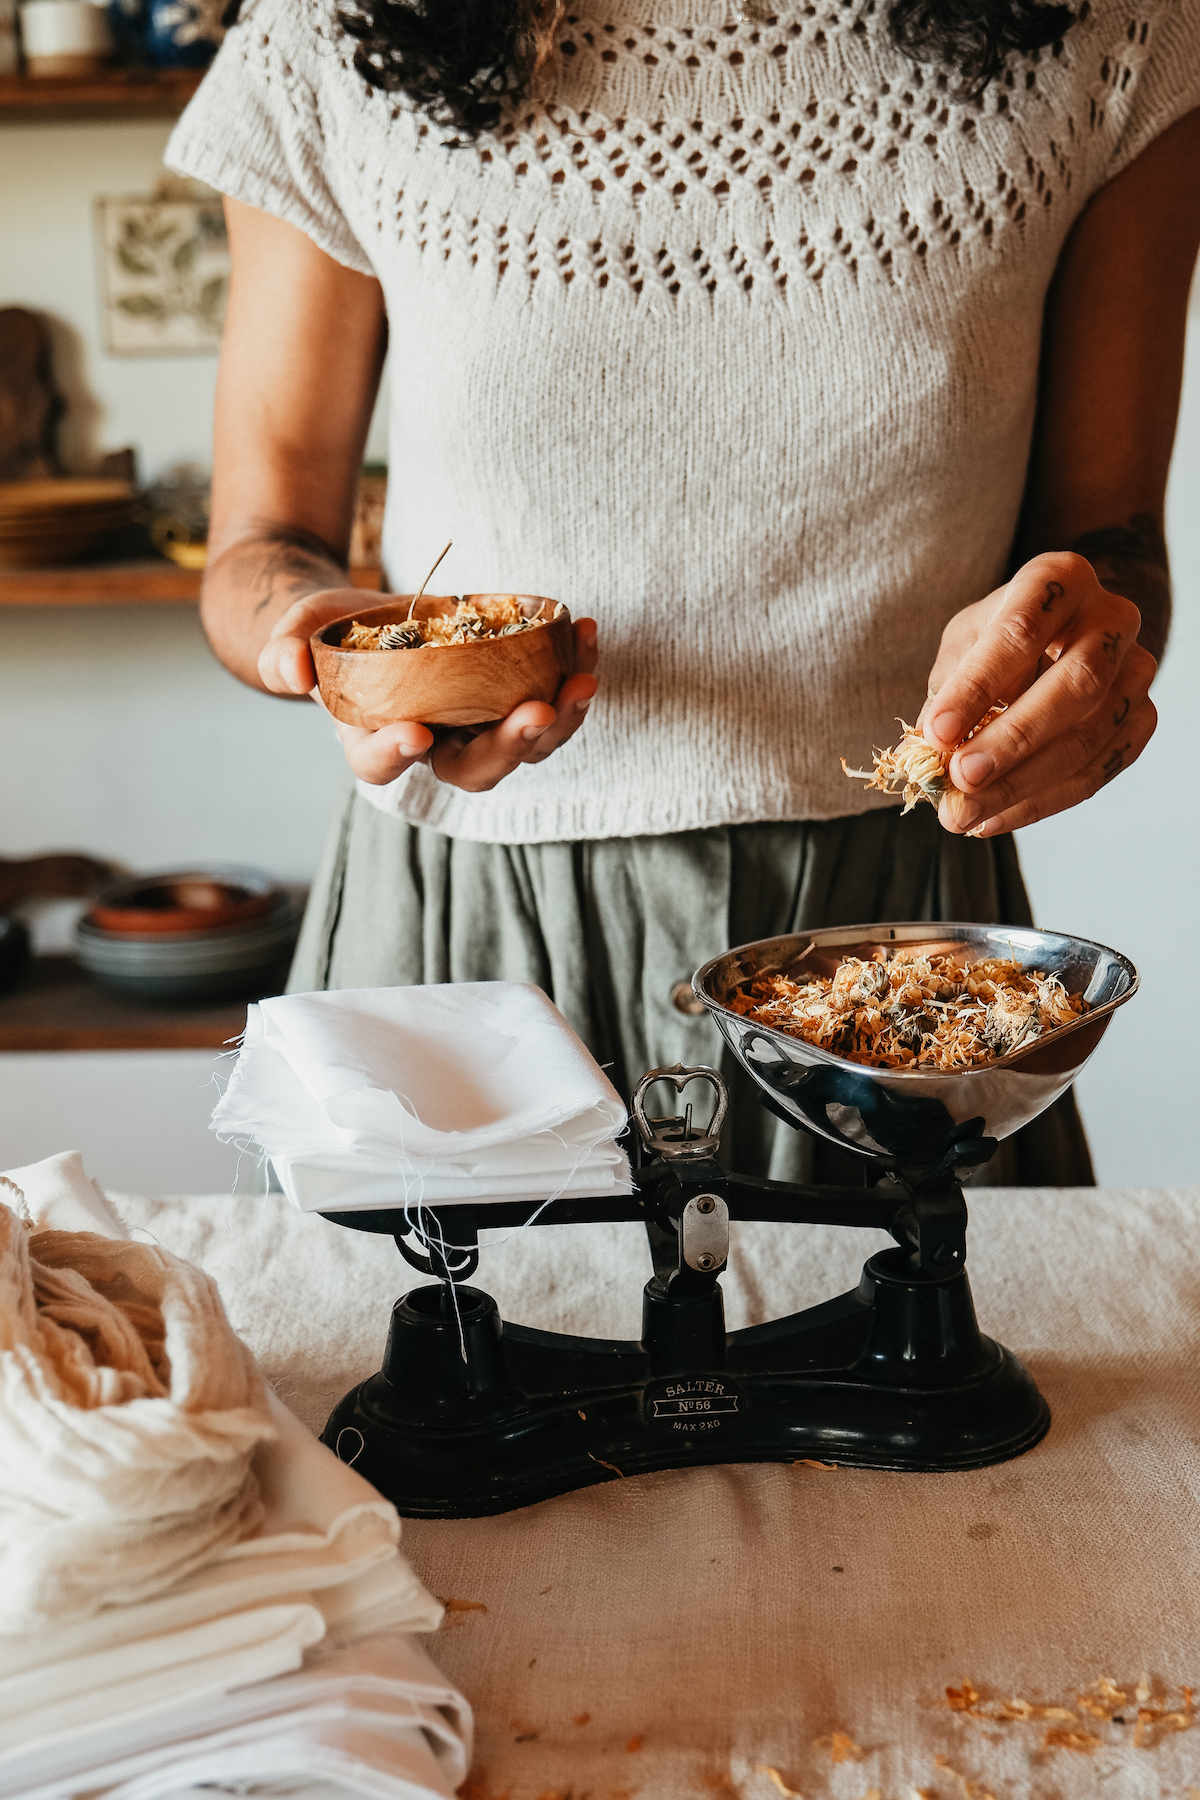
(793, 147)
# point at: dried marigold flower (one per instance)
(1103, 1699)
(841, 1747)
(914, 767)
(470, 622)
(774, 1776)
(405, 635)
(913, 1009)
(1082, 1742)
(1028, 1709)
(972, 1790)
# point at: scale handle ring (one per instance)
(659, 1136)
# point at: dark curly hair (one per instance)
(973, 38)
(460, 60)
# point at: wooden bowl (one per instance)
(156, 905)
(444, 684)
(57, 496)
(59, 520)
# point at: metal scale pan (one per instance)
(471, 1415)
(895, 1117)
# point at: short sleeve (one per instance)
(258, 130)
(1156, 74)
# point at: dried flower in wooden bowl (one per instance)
(443, 661)
(915, 766)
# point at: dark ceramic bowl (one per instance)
(176, 903)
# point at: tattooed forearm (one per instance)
(251, 585)
(1132, 560)
(277, 567)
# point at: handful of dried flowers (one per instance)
(470, 621)
(913, 1009)
(915, 766)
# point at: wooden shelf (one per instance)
(58, 1006)
(116, 94)
(150, 582)
(144, 582)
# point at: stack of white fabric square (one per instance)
(424, 1096)
(193, 1590)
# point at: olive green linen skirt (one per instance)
(612, 927)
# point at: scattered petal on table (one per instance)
(780, 1783)
(841, 1747)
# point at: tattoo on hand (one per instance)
(1112, 645)
(1054, 591)
(1116, 762)
(1131, 559)
(1119, 718)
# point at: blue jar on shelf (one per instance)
(129, 29)
(182, 34)
(169, 34)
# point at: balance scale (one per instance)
(472, 1415)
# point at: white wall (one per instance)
(124, 737)
(50, 178)
(119, 734)
(139, 1117)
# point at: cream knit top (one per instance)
(731, 341)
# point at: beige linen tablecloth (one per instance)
(684, 1633)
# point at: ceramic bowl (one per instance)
(450, 684)
(14, 952)
(207, 900)
(242, 962)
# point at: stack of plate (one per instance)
(219, 933)
(58, 521)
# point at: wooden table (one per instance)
(58, 1006)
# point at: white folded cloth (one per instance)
(58, 1196)
(90, 1370)
(325, 1562)
(376, 1718)
(380, 1097)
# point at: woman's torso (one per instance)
(732, 342)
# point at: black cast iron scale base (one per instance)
(471, 1416)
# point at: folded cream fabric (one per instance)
(325, 1564)
(320, 1568)
(424, 1095)
(59, 1196)
(376, 1718)
(129, 1416)
(349, 1184)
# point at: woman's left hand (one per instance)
(1063, 654)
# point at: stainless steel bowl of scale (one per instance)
(916, 1117)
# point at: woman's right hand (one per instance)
(300, 361)
(471, 758)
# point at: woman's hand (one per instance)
(470, 758)
(1062, 652)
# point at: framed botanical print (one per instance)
(164, 266)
